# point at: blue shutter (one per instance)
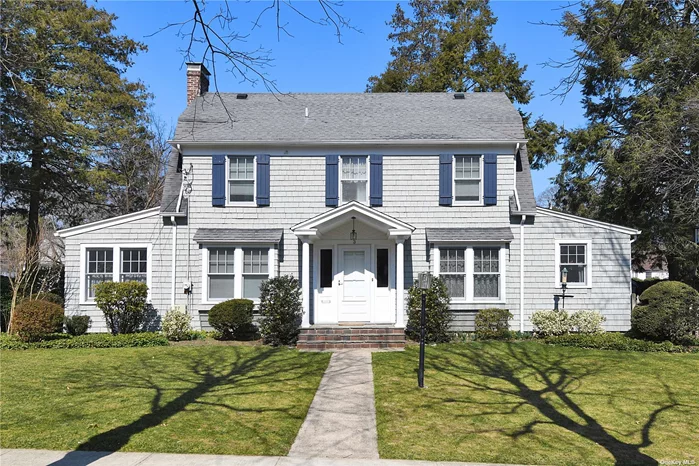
(218, 180)
(331, 180)
(445, 179)
(376, 180)
(490, 179)
(263, 180)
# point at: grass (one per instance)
(530, 403)
(211, 399)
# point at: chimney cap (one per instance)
(197, 66)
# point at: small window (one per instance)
(100, 268)
(467, 178)
(452, 266)
(486, 273)
(382, 268)
(354, 177)
(134, 265)
(326, 268)
(255, 271)
(221, 274)
(241, 181)
(574, 260)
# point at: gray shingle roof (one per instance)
(350, 117)
(238, 235)
(525, 189)
(440, 235)
(171, 186)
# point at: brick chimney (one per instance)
(197, 81)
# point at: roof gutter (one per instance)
(369, 142)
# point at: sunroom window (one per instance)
(100, 268)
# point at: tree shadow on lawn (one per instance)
(545, 380)
(208, 374)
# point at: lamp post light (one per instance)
(425, 282)
(564, 285)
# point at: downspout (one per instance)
(521, 273)
(174, 262)
(633, 239)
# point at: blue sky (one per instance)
(313, 60)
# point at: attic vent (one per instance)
(459, 96)
(241, 96)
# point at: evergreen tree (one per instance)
(447, 45)
(65, 103)
(636, 162)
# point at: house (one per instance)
(355, 194)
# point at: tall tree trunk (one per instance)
(35, 195)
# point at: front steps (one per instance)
(336, 337)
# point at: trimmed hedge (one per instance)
(76, 325)
(93, 340)
(438, 315)
(668, 311)
(124, 305)
(493, 324)
(281, 309)
(232, 318)
(33, 320)
(618, 342)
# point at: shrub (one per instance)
(176, 325)
(33, 320)
(123, 304)
(550, 323)
(668, 311)
(616, 341)
(76, 325)
(281, 309)
(45, 296)
(93, 340)
(230, 317)
(493, 324)
(587, 321)
(438, 316)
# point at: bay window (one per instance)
(221, 276)
(255, 271)
(471, 273)
(235, 271)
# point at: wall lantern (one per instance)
(353, 233)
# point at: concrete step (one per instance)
(338, 337)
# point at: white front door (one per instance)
(355, 296)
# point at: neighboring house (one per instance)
(651, 269)
(355, 194)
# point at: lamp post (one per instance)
(425, 282)
(564, 285)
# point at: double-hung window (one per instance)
(486, 272)
(453, 271)
(100, 268)
(573, 257)
(354, 179)
(134, 265)
(221, 276)
(472, 273)
(241, 179)
(468, 179)
(255, 271)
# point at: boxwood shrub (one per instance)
(76, 325)
(92, 340)
(616, 341)
(281, 309)
(493, 324)
(668, 311)
(232, 318)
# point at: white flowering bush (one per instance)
(176, 325)
(587, 321)
(549, 323)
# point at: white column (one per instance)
(400, 280)
(271, 262)
(238, 257)
(521, 273)
(173, 285)
(306, 283)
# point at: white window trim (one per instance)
(588, 262)
(237, 269)
(480, 202)
(116, 265)
(252, 203)
(469, 299)
(368, 179)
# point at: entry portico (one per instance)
(358, 280)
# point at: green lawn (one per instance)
(208, 399)
(536, 404)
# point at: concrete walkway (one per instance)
(96, 458)
(341, 422)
